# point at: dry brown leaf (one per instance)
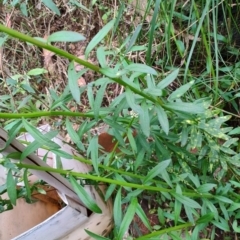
(48, 63)
(81, 82)
(8, 21)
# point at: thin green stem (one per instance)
(166, 230)
(111, 181)
(45, 114)
(71, 57)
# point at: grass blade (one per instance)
(38, 136)
(157, 170)
(99, 37)
(133, 38)
(152, 30)
(127, 218)
(73, 83)
(11, 188)
(169, 79)
(117, 210)
(83, 195)
(52, 6)
(163, 119)
(95, 236)
(66, 36)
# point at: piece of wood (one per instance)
(54, 179)
(24, 216)
(66, 224)
(58, 225)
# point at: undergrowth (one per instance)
(170, 86)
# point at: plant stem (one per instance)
(111, 181)
(166, 230)
(46, 114)
(71, 57)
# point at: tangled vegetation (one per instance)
(166, 83)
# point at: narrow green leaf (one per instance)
(36, 71)
(235, 227)
(169, 79)
(131, 140)
(206, 218)
(109, 191)
(194, 179)
(51, 5)
(206, 187)
(133, 38)
(14, 155)
(119, 177)
(224, 211)
(130, 97)
(127, 218)
(161, 217)
(62, 153)
(26, 183)
(141, 214)
(189, 212)
(157, 170)
(61, 101)
(33, 146)
(24, 101)
(98, 37)
(235, 131)
(139, 159)
(117, 210)
(11, 188)
(83, 195)
(223, 199)
(180, 91)
(138, 67)
(153, 91)
(93, 150)
(234, 206)
(162, 118)
(144, 119)
(192, 108)
(121, 8)
(65, 36)
(101, 57)
(73, 82)
(223, 224)
(99, 99)
(212, 208)
(152, 31)
(73, 135)
(95, 236)
(15, 128)
(166, 178)
(78, 4)
(177, 205)
(23, 8)
(186, 201)
(38, 136)
(27, 87)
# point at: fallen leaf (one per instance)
(81, 82)
(48, 63)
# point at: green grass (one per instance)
(179, 74)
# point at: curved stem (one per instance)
(166, 230)
(46, 114)
(71, 57)
(111, 181)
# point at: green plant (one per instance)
(184, 156)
